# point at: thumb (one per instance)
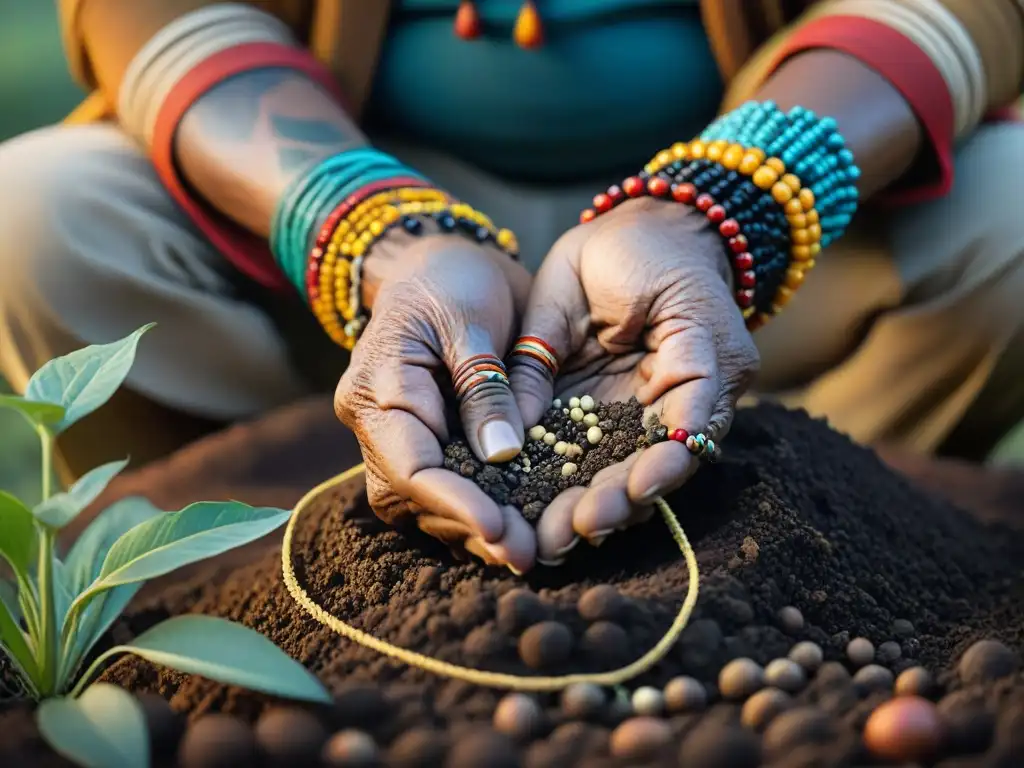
(487, 408)
(555, 319)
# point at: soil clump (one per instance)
(805, 541)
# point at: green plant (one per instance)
(53, 611)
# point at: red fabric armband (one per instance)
(247, 252)
(910, 71)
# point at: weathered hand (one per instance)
(437, 301)
(637, 302)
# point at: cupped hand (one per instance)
(637, 302)
(436, 301)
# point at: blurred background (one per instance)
(35, 90)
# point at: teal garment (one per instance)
(615, 81)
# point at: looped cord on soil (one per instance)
(477, 676)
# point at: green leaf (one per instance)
(9, 598)
(96, 619)
(104, 728)
(62, 596)
(85, 379)
(15, 645)
(224, 651)
(175, 539)
(38, 414)
(61, 508)
(17, 535)
(86, 557)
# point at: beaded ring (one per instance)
(476, 371)
(699, 444)
(534, 351)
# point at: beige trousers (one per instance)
(910, 331)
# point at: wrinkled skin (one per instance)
(637, 302)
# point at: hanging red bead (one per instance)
(679, 435)
(633, 186)
(528, 32)
(657, 186)
(467, 21)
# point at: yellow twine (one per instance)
(477, 676)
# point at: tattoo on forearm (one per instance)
(246, 139)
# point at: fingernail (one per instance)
(499, 441)
(598, 537)
(567, 549)
(515, 570)
(551, 563)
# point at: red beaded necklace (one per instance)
(528, 32)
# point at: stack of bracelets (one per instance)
(367, 193)
(778, 186)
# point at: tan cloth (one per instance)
(910, 329)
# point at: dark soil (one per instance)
(531, 480)
(794, 515)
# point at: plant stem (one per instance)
(46, 646)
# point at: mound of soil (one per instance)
(794, 517)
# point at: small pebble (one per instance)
(482, 748)
(418, 748)
(761, 708)
(648, 701)
(582, 700)
(740, 678)
(904, 730)
(576, 414)
(902, 629)
(568, 469)
(519, 716)
(808, 655)
(591, 419)
(987, 660)
(791, 620)
(518, 609)
(560, 447)
(831, 673)
(594, 435)
(549, 438)
(916, 681)
(607, 644)
(349, 748)
(545, 645)
(718, 745)
(537, 432)
(796, 727)
(603, 602)
(685, 694)
(860, 651)
(289, 735)
(587, 403)
(640, 737)
(785, 674)
(573, 451)
(889, 651)
(874, 677)
(218, 741)
(556, 403)
(165, 725)
(574, 402)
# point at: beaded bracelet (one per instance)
(334, 285)
(774, 221)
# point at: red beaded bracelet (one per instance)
(335, 217)
(742, 260)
